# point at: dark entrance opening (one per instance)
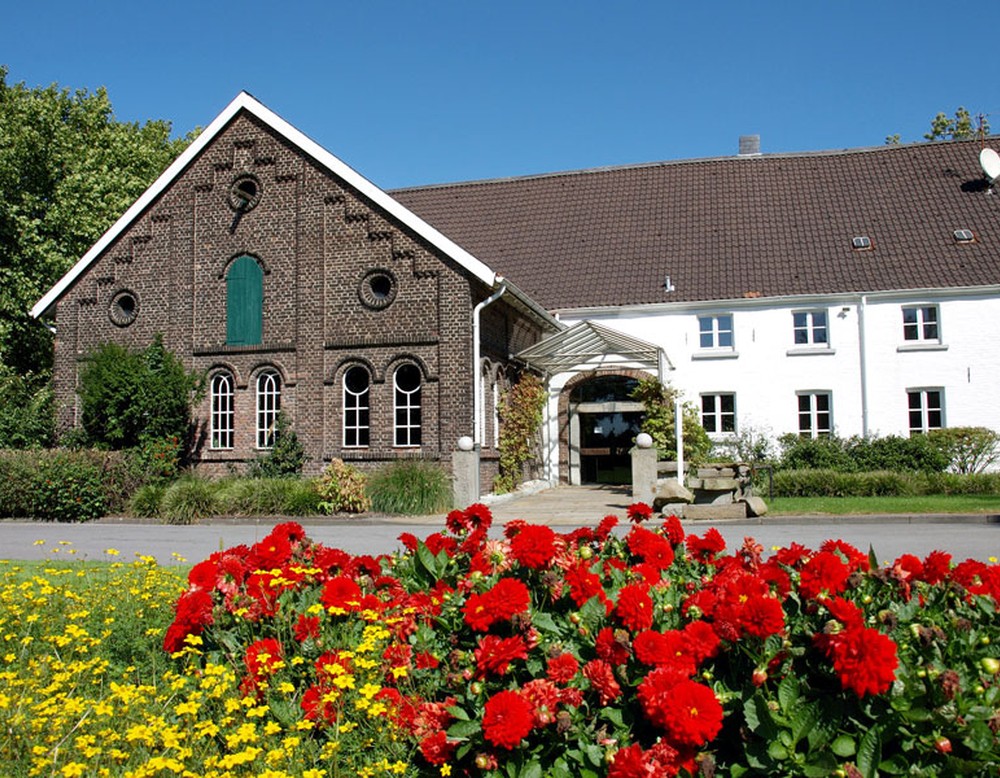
(605, 425)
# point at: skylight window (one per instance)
(964, 236)
(861, 243)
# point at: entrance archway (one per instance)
(603, 422)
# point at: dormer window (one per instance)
(861, 243)
(964, 236)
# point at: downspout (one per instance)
(862, 353)
(477, 383)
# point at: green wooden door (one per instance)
(244, 303)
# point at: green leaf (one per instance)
(428, 561)
(803, 719)
(820, 765)
(777, 751)
(870, 753)
(463, 729)
(595, 754)
(844, 746)
(788, 693)
(544, 622)
(531, 770)
(758, 718)
(458, 712)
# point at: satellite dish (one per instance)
(990, 162)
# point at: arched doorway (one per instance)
(603, 423)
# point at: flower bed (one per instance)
(636, 651)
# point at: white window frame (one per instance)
(223, 411)
(813, 414)
(925, 323)
(357, 412)
(268, 407)
(720, 328)
(717, 415)
(811, 328)
(925, 410)
(407, 415)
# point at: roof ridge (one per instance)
(888, 148)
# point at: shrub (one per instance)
(520, 414)
(880, 483)
(130, 397)
(967, 449)
(187, 500)
(412, 487)
(266, 497)
(18, 473)
(145, 501)
(26, 419)
(660, 422)
(341, 489)
(917, 453)
(827, 453)
(68, 487)
(286, 457)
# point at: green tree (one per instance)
(68, 169)
(962, 126)
(129, 398)
(660, 424)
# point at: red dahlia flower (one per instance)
(507, 598)
(437, 749)
(865, 660)
(507, 719)
(687, 711)
(639, 512)
(534, 546)
(562, 668)
(602, 680)
(635, 608)
(494, 654)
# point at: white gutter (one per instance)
(477, 382)
(862, 354)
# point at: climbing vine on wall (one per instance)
(520, 418)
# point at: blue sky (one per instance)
(412, 92)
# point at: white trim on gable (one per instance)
(246, 102)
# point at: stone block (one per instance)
(755, 506)
(733, 510)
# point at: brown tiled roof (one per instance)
(768, 225)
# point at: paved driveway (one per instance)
(976, 537)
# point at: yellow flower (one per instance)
(73, 769)
(445, 769)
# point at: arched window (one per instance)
(222, 410)
(245, 303)
(268, 407)
(357, 384)
(406, 384)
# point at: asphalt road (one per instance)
(964, 537)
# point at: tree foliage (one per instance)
(130, 398)
(26, 419)
(520, 420)
(660, 423)
(68, 170)
(961, 126)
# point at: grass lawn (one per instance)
(847, 506)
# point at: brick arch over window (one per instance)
(564, 396)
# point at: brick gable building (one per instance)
(296, 286)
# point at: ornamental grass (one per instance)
(619, 651)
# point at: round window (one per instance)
(408, 378)
(123, 309)
(244, 193)
(377, 289)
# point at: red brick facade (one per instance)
(317, 239)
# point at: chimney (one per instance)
(749, 145)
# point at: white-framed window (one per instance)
(268, 407)
(222, 410)
(406, 390)
(815, 414)
(716, 331)
(926, 409)
(921, 324)
(357, 407)
(809, 328)
(718, 413)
